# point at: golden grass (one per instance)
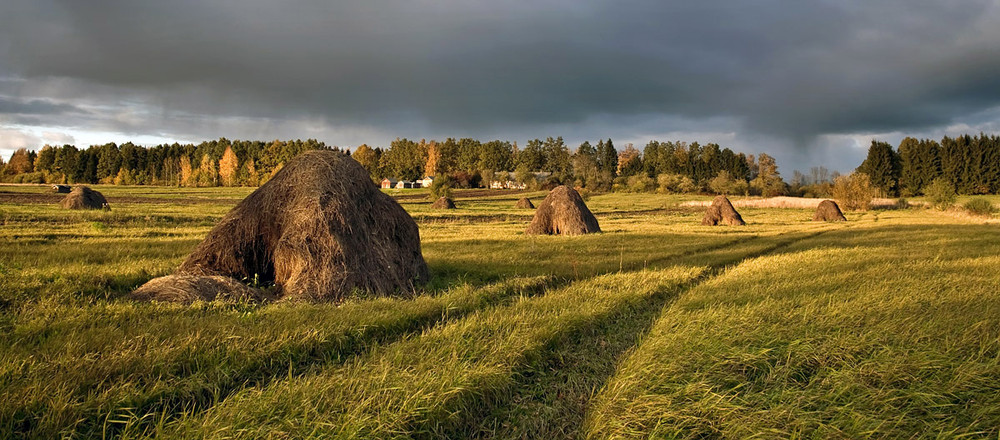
(881, 326)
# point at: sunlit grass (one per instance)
(881, 326)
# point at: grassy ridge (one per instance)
(888, 331)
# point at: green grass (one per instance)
(868, 332)
(884, 326)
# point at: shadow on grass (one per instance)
(196, 396)
(554, 386)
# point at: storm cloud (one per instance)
(806, 81)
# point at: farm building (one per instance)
(509, 180)
(388, 183)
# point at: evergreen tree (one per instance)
(557, 157)
(532, 158)
(882, 168)
(607, 156)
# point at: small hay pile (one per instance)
(563, 212)
(524, 203)
(828, 211)
(83, 197)
(443, 203)
(61, 189)
(721, 211)
(187, 289)
(318, 230)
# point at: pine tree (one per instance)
(608, 158)
(882, 167)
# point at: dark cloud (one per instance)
(778, 73)
(34, 107)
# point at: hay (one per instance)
(187, 289)
(563, 212)
(524, 203)
(318, 230)
(83, 197)
(61, 189)
(828, 211)
(443, 203)
(721, 211)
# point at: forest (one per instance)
(971, 164)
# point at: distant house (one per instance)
(403, 184)
(426, 182)
(509, 180)
(388, 183)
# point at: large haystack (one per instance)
(83, 197)
(443, 203)
(721, 211)
(828, 211)
(319, 229)
(563, 212)
(524, 203)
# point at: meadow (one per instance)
(887, 325)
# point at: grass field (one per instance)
(885, 326)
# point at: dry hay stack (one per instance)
(828, 211)
(187, 289)
(83, 197)
(524, 203)
(563, 212)
(443, 203)
(318, 230)
(721, 211)
(61, 189)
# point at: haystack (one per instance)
(828, 211)
(524, 203)
(443, 203)
(190, 288)
(83, 197)
(318, 230)
(563, 212)
(721, 211)
(61, 189)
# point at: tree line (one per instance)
(664, 166)
(212, 163)
(969, 164)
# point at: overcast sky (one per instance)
(808, 82)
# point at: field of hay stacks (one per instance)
(886, 325)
